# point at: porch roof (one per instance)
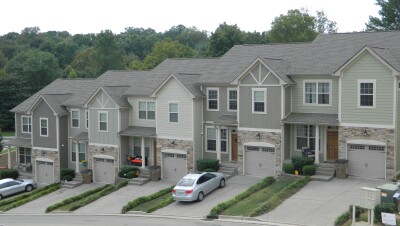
(81, 136)
(19, 142)
(311, 119)
(138, 131)
(226, 120)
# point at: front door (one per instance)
(234, 147)
(332, 145)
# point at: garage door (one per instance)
(174, 166)
(45, 172)
(104, 170)
(260, 161)
(366, 161)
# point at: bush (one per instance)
(208, 170)
(309, 170)
(203, 164)
(127, 169)
(67, 174)
(358, 211)
(67, 178)
(299, 162)
(288, 168)
(132, 204)
(340, 220)
(386, 208)
(131, 174)
(9, 173)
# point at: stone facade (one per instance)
(44, 155)
(267, 137)
(386, 136)
(113, 152)
(182, 145)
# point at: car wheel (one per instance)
(28, 188)
(200, 196)
(222, 183)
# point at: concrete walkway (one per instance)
(320, 203)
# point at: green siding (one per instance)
(367, 67)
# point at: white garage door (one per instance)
(45, 172)
(104, 170)
(366, 161)
(260, 161)
(174, 166)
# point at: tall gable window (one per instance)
(147, 110)
(26, 124)
(232, 99)
(211, 139)
(44, 127)
(103, 121)
(224, 140)
(317, 92)
(366, 93)
(75, 118)
(173, 112)
(212, 99)
(259, 105)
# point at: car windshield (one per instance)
(186, 182)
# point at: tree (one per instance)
(324, 25)
(224, 38)
(84, 63)
(108, 55)
(390, 16)
(139, 41)
(256, 38)
(190, 36)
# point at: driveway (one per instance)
(234, 186)
(320, 203)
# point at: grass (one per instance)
(8, 133)
(147, 205)
(246, 206)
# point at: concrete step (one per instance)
(324, 173)
(70, 184)
(138, 181)
(321, 177)
(326, 165)
(227, 170)
(228, 164)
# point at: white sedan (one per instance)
(10, 186)
(195, 186)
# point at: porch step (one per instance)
(228, 164)
(229, 169)
(70, 184)
(78, 177)
(321, 177)
(324, 172)
(138, 181)
(25, 175)
(144, 173)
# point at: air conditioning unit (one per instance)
(370, 197)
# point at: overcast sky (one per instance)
(92, 16)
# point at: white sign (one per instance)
(388, 218)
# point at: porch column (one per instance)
(218, 135)
(316, 144)
(9, 157)
(142, 154)
(76, 157)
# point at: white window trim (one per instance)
(227, 140)
(206, 139)
(316, 100)
(212, 88)
(101, 112)
(265, 100)
(87, 119)
(138, 107)
(169, 111)
(29, 125)
(227, 98)
(72, 119)
(72, 148)
(47, 126)
(373, 81)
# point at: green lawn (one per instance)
(246, 206)
(145, 206)
(8, 133)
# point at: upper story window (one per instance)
(147, 110)
(26, 122)
(232, 99)
(173, 112)
(44, 127)
(212, 99)
(103, 121)
(366, 93)
(317, 92)
(87, 118)
(259, 100)
(75, 118)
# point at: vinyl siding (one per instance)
(124, 119)
(298, 96)
(82, 123)
(134, 113)
(397, 154)
(197, 128)
(367, 67)
(63, 129)
(222, 104)
(288, 100)
(18, 127)
(44, 111)
(175, 93)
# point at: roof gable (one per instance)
(104, 99)
(187, 82)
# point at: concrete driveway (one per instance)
(320, 203)
(234, 186)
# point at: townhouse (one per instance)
(255, 107)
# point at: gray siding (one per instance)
(287, 145)
(134, 113)
(44, 111)
(397, 148)
(288, 100)
(124, 149)
(222, 104)
(197, 128)
(82, 123)
(18, 127)
(124, 119)
(367, 67)
(64, 144)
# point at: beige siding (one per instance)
(134, 113)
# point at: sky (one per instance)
(93, 16)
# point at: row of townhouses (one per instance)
(255, 107)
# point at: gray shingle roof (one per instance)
(55, 101)
(81, 136)
(311, 119)
(19, 142)
(227, 120)
(138, 131)
(189, 81)
(116, 93)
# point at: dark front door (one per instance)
(234, 147)
(332, 145)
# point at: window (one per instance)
(137, 146)
(44, 127)
(317, 92)
(75, 118)
(259, 100)
(82, 151)
(305, 136)
(232, 99)
(211, 139)
(73, 151)
(366, 93)
(87, 118)
(103, 120)
(173, 112)
(24, 155)
(212, 99)
(147, 110)
(224, 140)
(26, 124)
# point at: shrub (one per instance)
(203, 164)
(299, 162)
(309, 170)
(127, 169)
(358, 211)
(208, 170)
(67, 178)
(288, 168)
(9, 173)
(340, 220)
(132, 204)
(386, 208)
(67, 174)
(131, 174)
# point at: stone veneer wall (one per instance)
(183, 145)
(110, 151)
(378, 134)
(267, 137)
(52, 155)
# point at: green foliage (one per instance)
(340, 220)
(386, 208)
(131, 174)
(160, 205)
(309, 170)
(288, 168)
(208, 170)
(299, 162)
(84, 63)
(224, 38)
(9, 173)
(389, 16)
(108, 54)
(127, 171)
(1, 142)
(203, 164)
(358, 211)
(67, 174)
